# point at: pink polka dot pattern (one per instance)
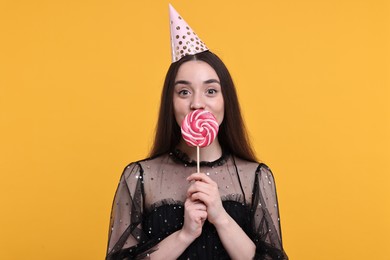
(199, 128)
(184, 40)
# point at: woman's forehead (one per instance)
(196, 70)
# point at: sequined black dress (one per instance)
(148, 207)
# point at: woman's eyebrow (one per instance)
(212, 81)
(184, 82)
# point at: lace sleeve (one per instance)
(265, 216)
(125, 234)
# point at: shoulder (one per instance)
(265, 177)
(246, 170)
(256, 167)
(244, 165)
(263, 169)
(138, 167)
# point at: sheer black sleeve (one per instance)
(265, 216)
(125, 235)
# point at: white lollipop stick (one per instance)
(197, 159)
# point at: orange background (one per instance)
(80, 83)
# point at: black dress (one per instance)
(148, 207)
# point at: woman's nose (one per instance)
(197, 103)
(195, 106)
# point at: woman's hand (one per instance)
(195, 215)
(204, 189)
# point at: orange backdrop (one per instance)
(80, 83)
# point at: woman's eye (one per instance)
(211, 91)
(184, 92)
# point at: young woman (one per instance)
(163, 209)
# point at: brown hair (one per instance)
(232, 134)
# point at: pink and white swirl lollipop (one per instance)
(199, 128)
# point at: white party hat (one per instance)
(184, 40)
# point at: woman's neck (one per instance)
(207, 154)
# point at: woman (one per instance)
(164, 210)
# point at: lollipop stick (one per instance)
(197, 159)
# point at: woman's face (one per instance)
(197, 86)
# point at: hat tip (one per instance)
(184, 40)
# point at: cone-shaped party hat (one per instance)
(184, 40)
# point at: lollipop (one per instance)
(199, 128)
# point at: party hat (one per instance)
(184, 40)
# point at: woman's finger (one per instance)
(196, 205)
(199, 186)
(200, 177)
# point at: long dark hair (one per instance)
(232, 134)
